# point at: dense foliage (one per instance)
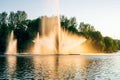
(25, 30)
(100, 43)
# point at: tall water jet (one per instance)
(54, 40)
(12, 44)
(46, 42)
(36, 45)
(58, 37)
(49, 30)
(50, 27)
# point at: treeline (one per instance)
(100, 43)
(25, 30)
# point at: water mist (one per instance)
(51, 39)
(12, 44)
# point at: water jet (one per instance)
(12, 44)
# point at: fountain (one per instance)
(48, 41)
(71, 43)
(12, 44)
(51, 39)
(54, 40)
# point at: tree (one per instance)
(17, 20)
(21, 16)
(96, 35)
(3, 18)
(86, 27)
(69, 24)
(12, 20)
(110, 44)
(64, 22)
(3, 31)
(115, 45)
(118, 43)
(97, 40)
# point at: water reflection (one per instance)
(44, 67)
(104, 68)
(11, 66)
(62, 67)
(24, 68)
(70, 67)
(3, 69)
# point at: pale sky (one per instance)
(104, 15)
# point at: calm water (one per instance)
(62, 67)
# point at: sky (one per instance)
(104, 15)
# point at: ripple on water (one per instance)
(63, 67)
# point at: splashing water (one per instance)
(51, 39)
(54, 40)
(12, 44)
(71, 43)
(47, 42)
(43, 44)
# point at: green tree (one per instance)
(110, 44)
(21, 16)
(3, 18)
(12, 20)
(64, 22)
(97, 39)
(69, 24)
(86, 28)
(118, 43)
(17, 20)
(3, 31)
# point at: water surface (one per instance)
(60, 67)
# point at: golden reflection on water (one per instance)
(44, 67)
(58, 67)
(70, 66)
(11, 65)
